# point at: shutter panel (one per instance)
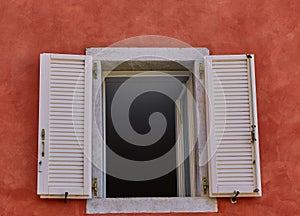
(232, 126)
(65, 113)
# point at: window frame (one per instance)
(194, 57)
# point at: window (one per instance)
(152, 181)
(222, 121)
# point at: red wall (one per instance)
(269, 29)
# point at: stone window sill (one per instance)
(151, 205)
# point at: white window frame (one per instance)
(201, 202)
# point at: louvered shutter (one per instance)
(65, 113)
(233, 147)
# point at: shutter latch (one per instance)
(66, 197)
(204, 184)
(253, 139)
(95, 187)
(233, 199)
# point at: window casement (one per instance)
(222, 122)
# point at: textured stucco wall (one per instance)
(268, 28)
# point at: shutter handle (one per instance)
(233, 199)
(66, 196)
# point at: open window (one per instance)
(185, 136)
(215, 126)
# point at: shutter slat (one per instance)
(71, 106)
(76, 81)
(72, 171)
(225, 66)
(240, 167)
(66, 150)
(235, 161)
(65, 163)
(62, 93)
(70, 118)
(70, 65)
(226, 94)
(73, 70)
(66, 175)
(65, 115)
(75, 158)
(234, 149)
(66, 110)
(62, 185)
(64, 89)
(76, 102)
(66, 130)
(224, 62)
(66, 62)
(231, 70)
(74, 86)
(64, 168)
(66, 75)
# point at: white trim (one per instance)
(147, 54)
(255, 122)
(151, 205)
(88, 128)
(170, 204)
(42, 182)
(201, 136)
(97, 143)
(104, 138)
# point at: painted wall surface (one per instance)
(268, 28)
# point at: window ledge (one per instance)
(151, 205)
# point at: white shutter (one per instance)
(65, 113)
(233, 147)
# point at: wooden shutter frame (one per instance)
(42, 186)
(210, 129)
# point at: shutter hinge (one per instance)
(95, 68)
(201, 71)
(204, 184)
(95, 187)
(43, 141)
(249, 56)
(201, 68)
(253, 133)
(43, 134)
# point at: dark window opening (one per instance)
(140, 110)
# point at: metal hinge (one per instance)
(95, 187)
(201, 68)
(43, 141)
(95, 69)
(43, 134)
(204, 184)
(253, 133)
